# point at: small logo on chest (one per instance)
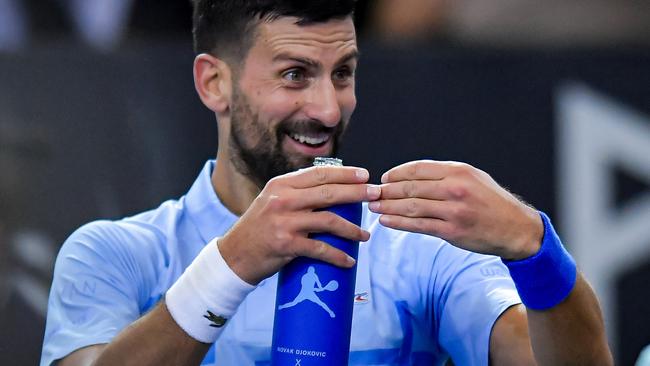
(361, 298)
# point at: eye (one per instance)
(294, 75)
(343, 75)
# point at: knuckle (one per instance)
(421, 224)
(326, 194)
(463, 169)
(362, 192)
(412, 208)
(282, 241)
(274, 183)
(350, 230)
(481, 175)
(456, 212)
(291, 175)
(281, 236)
(413, 169)
(320, 248)
(409, 189)
(462, 221)
(463, 214)
(459, 165)
(466, 217)
(276, 203)
(321, 174)
(330, 220)
(455, 166)
(458, 191)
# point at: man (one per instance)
(279, 76)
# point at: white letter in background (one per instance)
(595, 134)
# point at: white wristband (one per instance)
(206, 295)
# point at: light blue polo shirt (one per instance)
(419, 300)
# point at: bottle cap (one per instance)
(320, 161)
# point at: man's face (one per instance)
(292, 97)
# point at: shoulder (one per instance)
(131, 254)
(110, 238)
(140, 240)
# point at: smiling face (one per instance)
(293, 96)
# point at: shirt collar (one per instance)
(204, 208)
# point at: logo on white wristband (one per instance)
(218, 321)
(190, 297)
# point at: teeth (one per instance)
(310, 140)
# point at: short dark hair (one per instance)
(225, 28)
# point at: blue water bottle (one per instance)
(313, 310)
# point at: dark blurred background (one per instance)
(99, 119)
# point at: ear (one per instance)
(213, 82)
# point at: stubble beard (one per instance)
(265, 159)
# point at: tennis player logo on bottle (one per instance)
(310, 286)
(313, 322)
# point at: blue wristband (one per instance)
(546, 278)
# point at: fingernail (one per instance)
(366, 235)
(384, 177)
(363, 174)
(374, 205)
(384, 220)
(351, 261)
(373, 191)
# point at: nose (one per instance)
(323, 104)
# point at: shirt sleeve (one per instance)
(97, 290)
(469, 293)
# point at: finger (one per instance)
(413, 207)
(319, 175)
(429, 189)
(429, 226)
(333, 194)
(328, 222)
(322, 251)
(421, 169)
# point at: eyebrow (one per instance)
(354, 55)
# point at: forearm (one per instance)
(180, 329)
(154, 339)
(572, 332)
(564, 318)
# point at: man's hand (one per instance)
(460, 204)
(466, 207)
(274, 229)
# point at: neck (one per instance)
(234, 190)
